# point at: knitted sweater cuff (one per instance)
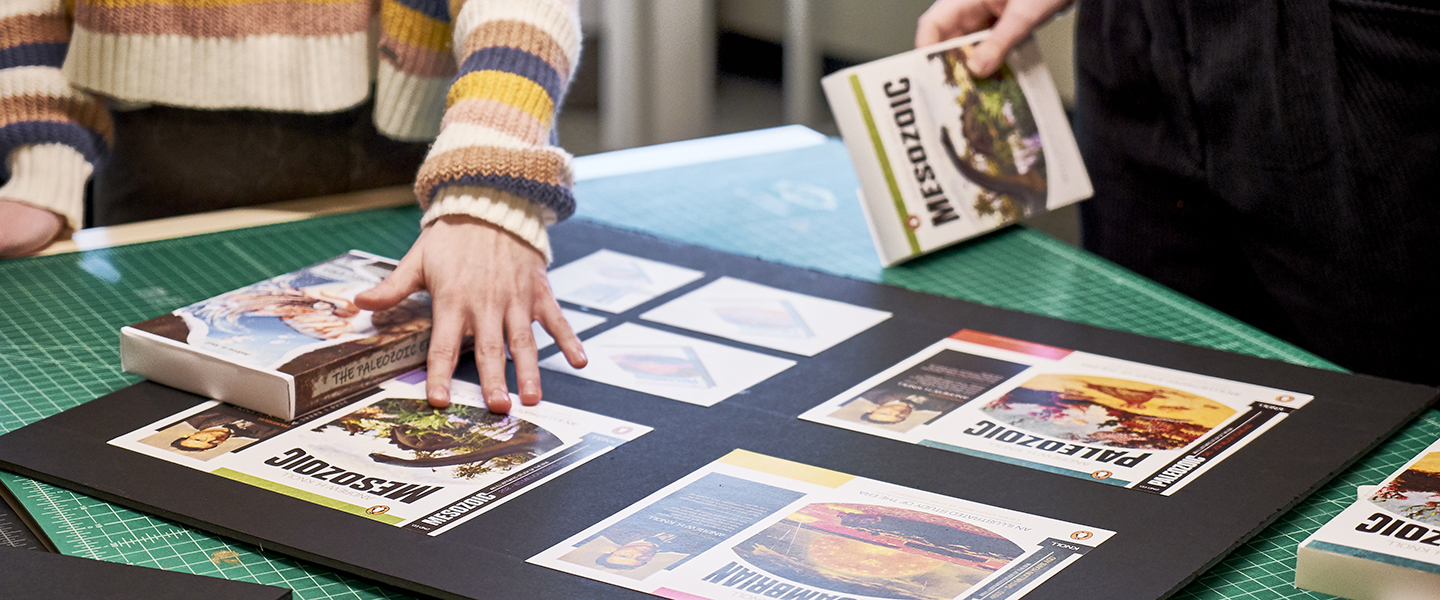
(49, 176)
(513, 213)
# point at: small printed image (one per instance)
(461, 442)
(602, 293)
(930, 389)
(664, 364)
(1414, 493)
(894, 408)
(676, 366)
(772, 318)
(1108, 412)
(624, 270)
(990, 136)
(879, 551)
(213, 432)
(616, 282)
(673, 529)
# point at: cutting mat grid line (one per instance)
(58, 332)
(58, 349)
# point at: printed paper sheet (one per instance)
(389, 457)
(1063, 411)
(671, 366)
(765, 316)
(753, 526)
(615, 282)
(579, 321)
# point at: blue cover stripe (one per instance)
(555, 197)
(46, 54)
(519, 62)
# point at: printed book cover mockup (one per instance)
(389, 457)
(671, 366)
(1063, 411)
(286, 345)
(765, 316)
(753, 526)
(943, 155)
(615, 282)
(1385, 545)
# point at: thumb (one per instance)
(1016, 22)
(404, 281)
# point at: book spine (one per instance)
(322, 385)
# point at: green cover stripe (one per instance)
(1379, 557)
(306, 496)
(885, 166)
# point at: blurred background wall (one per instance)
(666, 70)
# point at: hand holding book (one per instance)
(1010, 20)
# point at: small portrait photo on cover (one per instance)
(213, 432)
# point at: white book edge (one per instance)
(1359, 578)
(181, 366)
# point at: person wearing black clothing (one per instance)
(1271, 158)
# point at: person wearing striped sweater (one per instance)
(482, 78)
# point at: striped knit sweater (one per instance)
(486, 76)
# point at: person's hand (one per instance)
(1010, 20)
(26, 229)
(485, 283)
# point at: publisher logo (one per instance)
(378, 509)
(1101, 474)
(1081, 535)
(1285, 398)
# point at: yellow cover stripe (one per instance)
(784, 468)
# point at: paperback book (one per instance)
(284, 346)
(1384, 546)
(943, 155)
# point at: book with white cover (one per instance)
(1385, 546)
(943, 156)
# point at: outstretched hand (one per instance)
(485, 283)
(1010, 20)
(26, 229)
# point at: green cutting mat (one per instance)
(59, 317)
(59, 327)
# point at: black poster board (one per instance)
(1161, 543)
